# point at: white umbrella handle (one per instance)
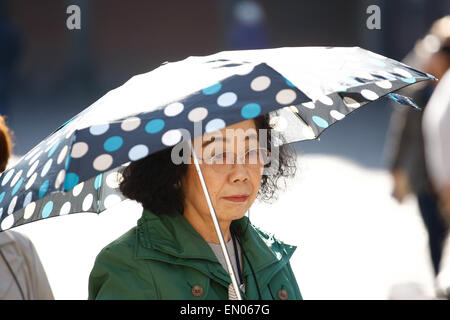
(216, 223)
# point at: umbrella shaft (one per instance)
(216, 224)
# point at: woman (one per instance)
(174, 251)
(22, 276)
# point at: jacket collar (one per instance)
(172, 239)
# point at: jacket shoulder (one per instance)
(273, 242)
(117, 273)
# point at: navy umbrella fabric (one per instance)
(305, 90)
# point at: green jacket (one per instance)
(164, 257)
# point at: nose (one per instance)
(239, 172)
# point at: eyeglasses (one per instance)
(224, 161)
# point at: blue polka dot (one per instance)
(44, 188)
(154, 126)
(28, 199)
(250, 110)
(53, 149)
(212, 89)
(71, 181)
(2, 195)
(409, 80)
(66, 166)
(113, 143)
(98, 181)
(17, 187)
(48, 208)
(99, 129)
(320, 122)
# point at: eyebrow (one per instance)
(220, 138)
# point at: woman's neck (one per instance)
(204, 225)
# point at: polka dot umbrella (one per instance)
(305, 90)
(75, 169)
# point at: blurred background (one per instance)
(50, 73)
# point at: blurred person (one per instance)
(406, 157)
(436, 131)
(10, 49)
(248, 27)
(22, 276)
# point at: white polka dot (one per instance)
(28, 199)
(326, 100)
(130, 124)
(385, 84)
(351, 103)
(364, 75)
(286, 96)
(171, 137)
(8, 222)
(113, 180)
(368, 94)
(62, 155)
(79, 149)
(60, 178)
(99, 129)
(87, 202)
(214, 125)
(12, 205)
(260, 83)
(337, 115)
(31, 181)
(197, 114)
(31, 153)
(77, 189)
(29, 210)
(308, 133)
(32, 168)
(403, 72)
(112, 200)
(7, 176)
(245, 69)
(138, 152)
(309, 105)
(65, 209)
(103, 162)
(16, 178)
(173, 109)
(36, 156)
(46, 168)
(227, 99)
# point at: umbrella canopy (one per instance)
(75, 169)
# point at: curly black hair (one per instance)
(155, 181)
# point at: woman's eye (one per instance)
(220, 157)
(252, 155)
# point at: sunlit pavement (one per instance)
(354, 240)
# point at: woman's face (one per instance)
(224, 181)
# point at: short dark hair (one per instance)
(155, 180)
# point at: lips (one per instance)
(237, 198)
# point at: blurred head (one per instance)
(432, 53)
(164, 187)
(5, 144)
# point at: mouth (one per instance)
(237, 198)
